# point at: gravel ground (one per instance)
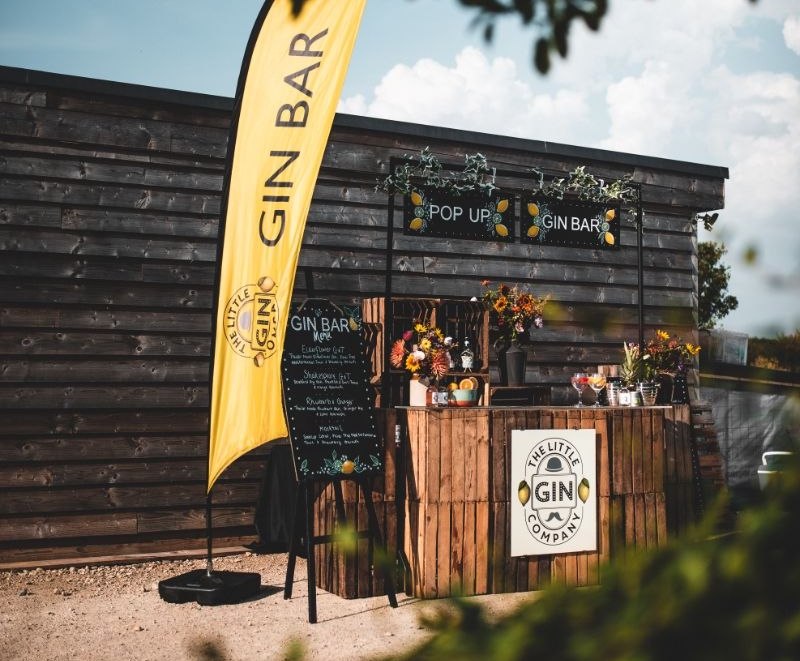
(115, 612)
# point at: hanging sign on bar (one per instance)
(553, 497)
(429, 212)
(554, 222)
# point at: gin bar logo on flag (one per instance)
(291, 79)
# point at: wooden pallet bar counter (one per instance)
(455, 513)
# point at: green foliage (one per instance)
(426, 170)
(713, 276)
(778, 353)
(707, 597)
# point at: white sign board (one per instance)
(553, 496)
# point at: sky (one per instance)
(715, 82)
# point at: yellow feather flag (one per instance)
(291, 79)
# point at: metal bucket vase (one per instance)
(665, 388)
(514, 361)
(680, 389)
(649, 391)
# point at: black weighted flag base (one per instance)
(206, 586)
(210, 589)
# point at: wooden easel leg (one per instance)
(294, 542)
(375, 533)
(310, 559)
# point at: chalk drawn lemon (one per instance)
(533, 231)
(609, 238)
(415, 224)
(533, 209)
(348, 467)
(502, 205)
(416, 199)
(501, 229)
(611, 214)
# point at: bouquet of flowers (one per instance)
(512, 312)
(424, 351)
(669, 354)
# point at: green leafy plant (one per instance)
(428, 171)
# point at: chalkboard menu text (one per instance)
(328, 397)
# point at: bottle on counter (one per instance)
(467, 357)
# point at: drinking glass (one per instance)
(597, 382)
(579, 381)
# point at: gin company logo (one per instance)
(554, 491)
(251, 320)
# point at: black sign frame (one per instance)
(428, 212)
(568, 222)
(328, 397)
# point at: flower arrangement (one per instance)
(423, 351)
(669, 354)
(512, 312)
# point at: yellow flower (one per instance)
(421, 328)
(692, 348)
(500, 304)
(662, 335)
(412, 364)
(425, 344)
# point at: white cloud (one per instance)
(475, 94)
(647, 110)
(791, 33)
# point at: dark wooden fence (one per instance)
(109, 203)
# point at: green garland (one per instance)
(477, 176)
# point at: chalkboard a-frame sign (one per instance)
(327, 394)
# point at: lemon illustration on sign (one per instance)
(502, 205)
(533, 231)
(583, 490)
(415, 224)
(352, 323)
(533, 209)
(611, 214)
(501, 229)
(416, 199)
(523, 492)
(609, 238)
(348, 467)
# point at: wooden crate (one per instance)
(456, 318)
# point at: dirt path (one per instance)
(115, 612)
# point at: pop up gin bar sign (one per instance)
(327, 394)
